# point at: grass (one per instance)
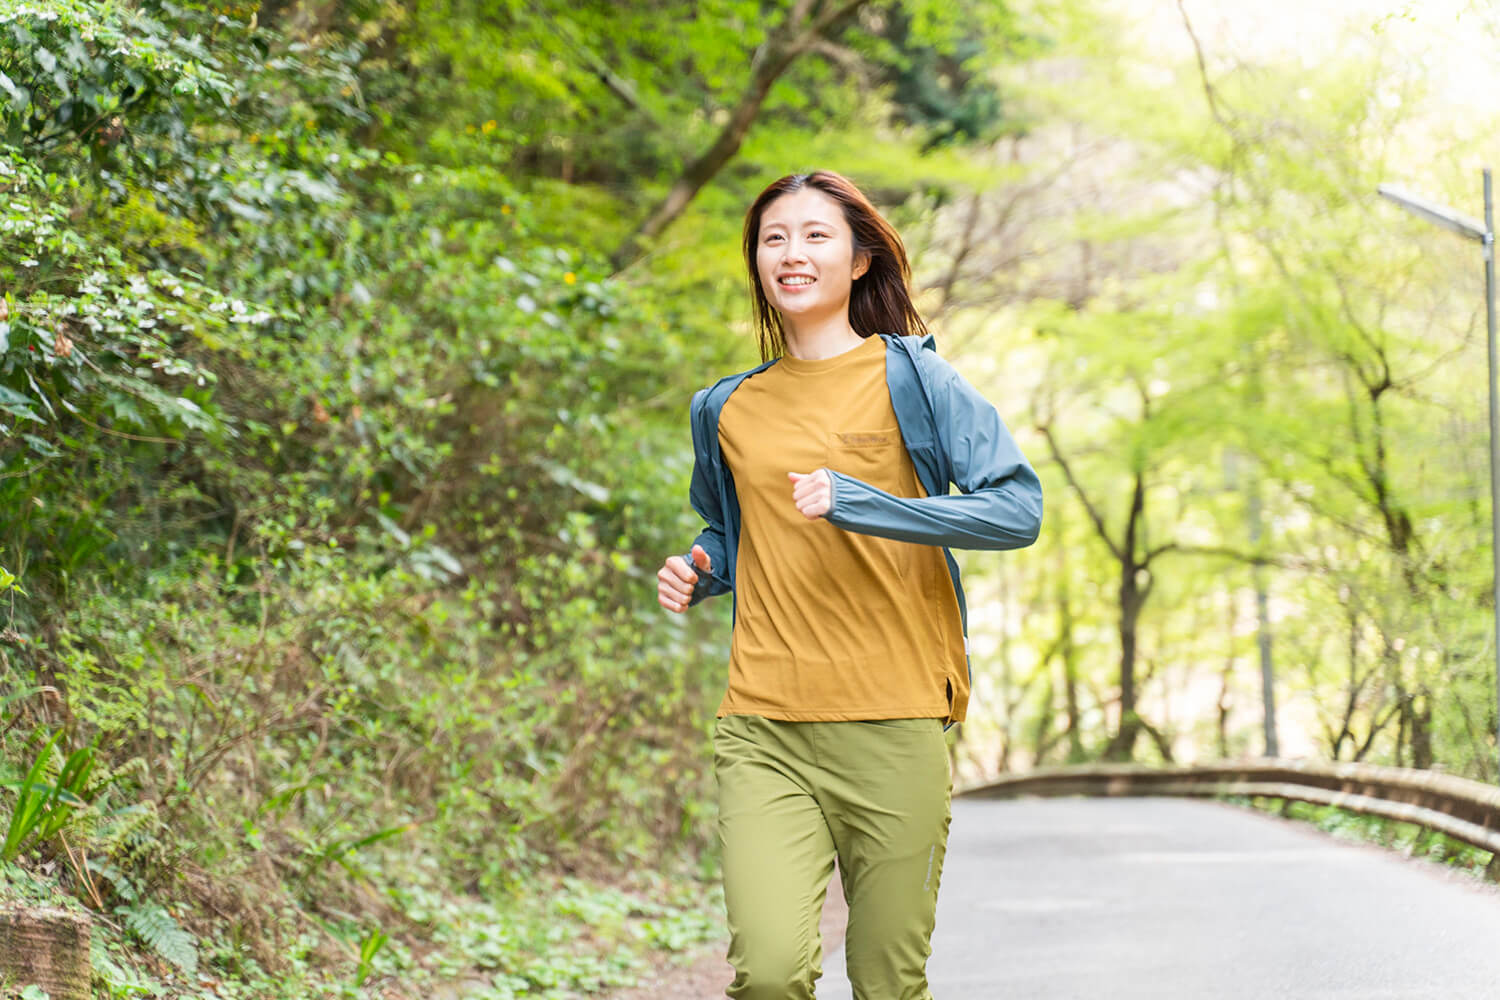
(1409, 839)
(565, 938)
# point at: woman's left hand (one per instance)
(812, 492)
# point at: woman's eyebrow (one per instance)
(777, 223)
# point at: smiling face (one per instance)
(805, 256)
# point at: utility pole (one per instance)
(1484, 234)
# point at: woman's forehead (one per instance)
(802, 207)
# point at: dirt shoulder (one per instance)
(704, 974)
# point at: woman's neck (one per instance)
(819, 339)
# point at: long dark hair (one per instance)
(880, 300)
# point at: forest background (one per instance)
(345, 352)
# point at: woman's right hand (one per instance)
(676, 579)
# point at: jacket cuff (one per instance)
(703, 589)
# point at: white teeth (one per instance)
(796, 281)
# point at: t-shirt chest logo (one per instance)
(865, 439)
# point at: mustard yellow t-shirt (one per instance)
(832, 625)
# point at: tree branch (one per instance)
(791, 39)
(1208, 88)
(1088, 506)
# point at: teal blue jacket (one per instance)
(952, 433)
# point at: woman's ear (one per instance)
(861, 265)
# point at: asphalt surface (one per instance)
(1111, 899)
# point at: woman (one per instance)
(823, 477)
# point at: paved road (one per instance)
(1118, 899)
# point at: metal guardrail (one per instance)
(1458, 807)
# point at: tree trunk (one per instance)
(46, 947)
(1069, 656)
(1067, 652)
(1134, 564)
(1040, 732)
(1262, 622)
(1132, 600)
(1421, 730)
(1222, 722)
(1008, 697)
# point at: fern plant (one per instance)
(159, 931)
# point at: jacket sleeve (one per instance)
(703, 493)
(1000, 506)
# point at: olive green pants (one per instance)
(792, 795)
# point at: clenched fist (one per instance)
(676, 579)
(812, 493)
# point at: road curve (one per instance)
(1116, 899)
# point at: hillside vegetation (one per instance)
(344, 368)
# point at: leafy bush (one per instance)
(337, 493)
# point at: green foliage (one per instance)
(159, 931)
(73, 65)
(1410, 839)
(43, 808)
(92, 332)
(88, 338)
(572, 937)
(20, 884)
(368, 949)
(938, 59)
(1246, 373)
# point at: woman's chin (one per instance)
(799, 306)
